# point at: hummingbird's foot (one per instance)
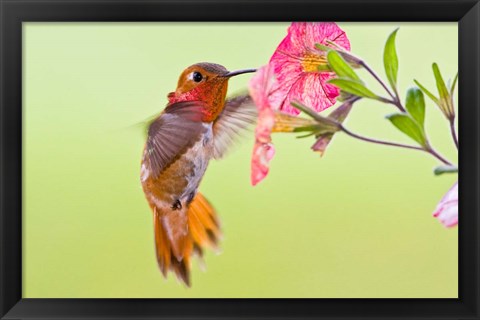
(177, 205)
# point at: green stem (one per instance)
(386, 143)
(429, 150)
(395, 100)
(438, 156)
(453, 132)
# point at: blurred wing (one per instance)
(169, 135)
(238, 114)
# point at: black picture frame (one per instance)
(14, 12)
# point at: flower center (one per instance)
(311, 62)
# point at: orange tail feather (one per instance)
(201, 228)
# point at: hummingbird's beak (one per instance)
(236, 73)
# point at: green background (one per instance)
(355, 223)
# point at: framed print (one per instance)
(273, 159)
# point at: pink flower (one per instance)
(447, 209)
(261, 156)
(263, 150)
(292, 74)
(296, 64)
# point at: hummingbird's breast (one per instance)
(177, 184)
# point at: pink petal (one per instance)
(300, 41)
(263, 150)
(310, 88)
(293, 82)
(265, 123)
(260, 85)
(302, 36)
(320, 32)
(447, 208)
(261, 157)
(286, 66)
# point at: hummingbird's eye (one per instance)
(197, 76)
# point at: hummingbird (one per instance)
(198, 124)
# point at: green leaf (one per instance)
(425, 90)
(334, 45)
(322, 47)
(445, 169)
(442, 88)
(324, 124)
(307, 128)
(452, 88)
(324, 68)
(340, 67)
(390, 59)
(445, 101)
(353, 61)
(415, 105)
(306, 135)
(408, 126)
(353, 87)
(306, 110)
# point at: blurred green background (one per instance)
(355, 223)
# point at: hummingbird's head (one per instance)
(206, 82)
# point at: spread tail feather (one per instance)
(178, 235)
